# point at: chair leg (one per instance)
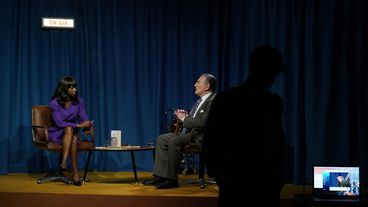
(201, 181)
(186, 167)
(85, 179)
(189, 164)
(57, 177)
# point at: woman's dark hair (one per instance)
(61, 91)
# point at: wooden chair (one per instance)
(196, 148)
(41, 121)
(192, 149)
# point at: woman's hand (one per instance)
(85, 124)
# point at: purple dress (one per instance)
(63, 117)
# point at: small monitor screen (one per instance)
(336, 181)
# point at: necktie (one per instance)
(192, 113)
(194, 108)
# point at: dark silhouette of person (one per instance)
(244, 139)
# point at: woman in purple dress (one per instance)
(69, 114)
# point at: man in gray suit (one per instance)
(169, 145)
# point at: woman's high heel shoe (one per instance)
(77, 183)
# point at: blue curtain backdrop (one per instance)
(135, 58)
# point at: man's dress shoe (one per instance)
(152, 181)
(167, 183)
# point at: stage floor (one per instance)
(104, 189)
(103, 183)
(113, 189)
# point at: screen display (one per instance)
(339, 181)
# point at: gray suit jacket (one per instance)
(197, 124)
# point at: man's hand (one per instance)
(181, 114)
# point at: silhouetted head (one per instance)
(265, 63)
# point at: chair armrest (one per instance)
(192, 148)
(89, 132)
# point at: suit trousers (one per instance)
(169, 155)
